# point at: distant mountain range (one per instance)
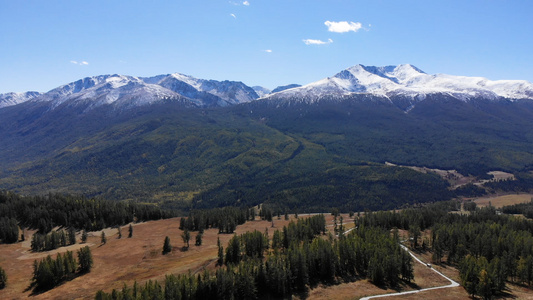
(188, 143)
(405, 82)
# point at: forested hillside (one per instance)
(310, 156)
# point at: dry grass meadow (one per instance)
(123, 261)
(500, 201)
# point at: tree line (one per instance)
(53, 240)
(225, 219)
(525, 209)
(56, 210)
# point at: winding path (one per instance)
(452, 282)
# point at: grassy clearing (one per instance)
(500, 201)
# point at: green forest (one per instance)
(293, 156)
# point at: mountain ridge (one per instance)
(406, 82)
(403, 83)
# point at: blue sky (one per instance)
(44, 44)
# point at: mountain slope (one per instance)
(191, 143)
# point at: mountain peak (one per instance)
(9, 99)
(408, 82)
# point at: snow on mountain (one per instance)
(129, 91)
(106, 89)
(285, 87)
(406, 81)
(229, 92)
(261, 91)
(9, 99)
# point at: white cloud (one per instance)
(233, 15)
(317, 42)
(82, 63)
(343, 26)
(268, 51)
(247, 3)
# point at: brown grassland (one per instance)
(500, 201)
(126, 260)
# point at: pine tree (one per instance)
(166, 246)
(484, 287)
(233, 251)
(186, 236)
(84, 236)
(198, 239)
(103, 238)
(130, 231)
(3, 278)
(85, 259)
(220, 261)
(71, 236)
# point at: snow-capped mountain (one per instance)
(406, 81)
(228, 92)
(261, 91)
(404, 85)
(9, 99)
(129, 91)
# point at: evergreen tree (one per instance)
(119, 232)
(186, 236)
(71, 236)
(85, 259)
(103, 239)
(233, 251)
(484, 287)
(84, 236)
(220, 260)
(277, 240)
(9, 230)
(130, 231)
(166, 245)
(3, 278)
(198, 239)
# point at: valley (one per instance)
(416, 155)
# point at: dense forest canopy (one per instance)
(55, 210)
(291, 154)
